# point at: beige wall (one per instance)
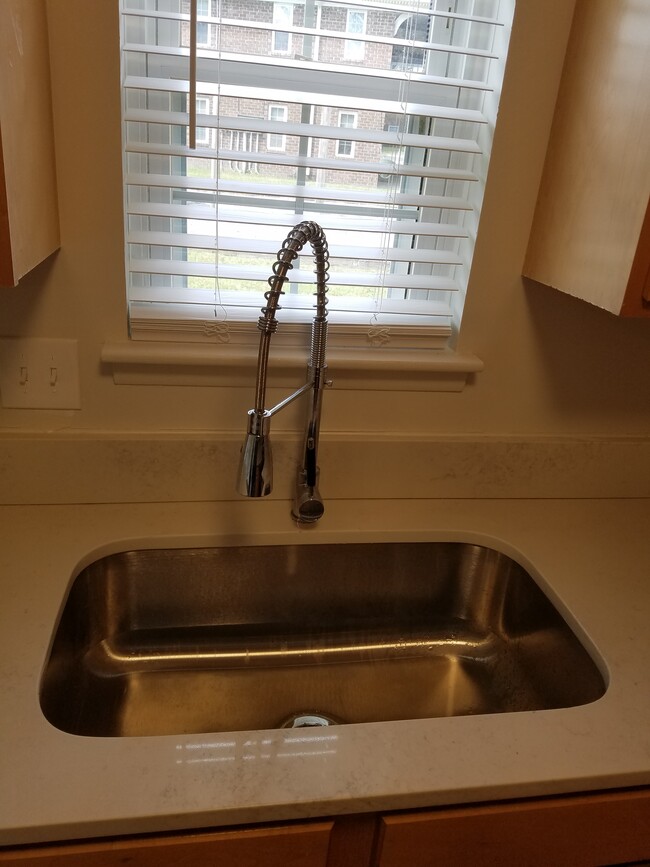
(553, 365)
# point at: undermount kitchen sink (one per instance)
(160, 642)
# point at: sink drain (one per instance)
(308, 719)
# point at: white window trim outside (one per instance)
(339, 142)
(204, 10)
(282, 15)
(355, 49)
(202, 132)
(203, 27)
(283, 110)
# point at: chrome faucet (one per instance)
(256, 467)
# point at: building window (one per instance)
(202, 132)
(202, 34)
(411, 31)
(277, 141)
(355, 50)
(282, 17)
(345, 147)
(203, 10)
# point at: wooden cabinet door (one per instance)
(299, 845)
(29, 221)
(576, 831)
(591, 232)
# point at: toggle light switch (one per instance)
(39, 373)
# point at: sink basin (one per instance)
(160, 642)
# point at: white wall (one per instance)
(553, 365)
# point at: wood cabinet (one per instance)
(29, 224)
(591, 231)
(291, 845)
(570, 831)
(574, 831)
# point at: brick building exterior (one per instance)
(278, 44)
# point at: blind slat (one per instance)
(255, 244)
(421, 8)
(299, 161)
(236, 272)
(405, 9)
(384, 200)
(269, 127)
(293, 300)
(365, 38)
(287, 220)
(302, 96)
(303, 67)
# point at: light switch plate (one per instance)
(39, 373)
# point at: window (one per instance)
(203, 28)
(344, 147)
(202, 132)
(356, 23)
(410, 29)
(275, 141)
(202, 33)
(282, 17)
(399, 195)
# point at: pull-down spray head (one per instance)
(255, 477)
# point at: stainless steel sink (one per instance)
(225, 639)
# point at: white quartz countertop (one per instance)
(591, 556)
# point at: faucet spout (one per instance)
(255, 468)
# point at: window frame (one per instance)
(288, 19)
(354, 49)
(203, 27)
(351, 330)
(283, 143)
(203, 133)
(355, 118)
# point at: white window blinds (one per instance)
(244, 117)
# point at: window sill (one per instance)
(153, 363)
